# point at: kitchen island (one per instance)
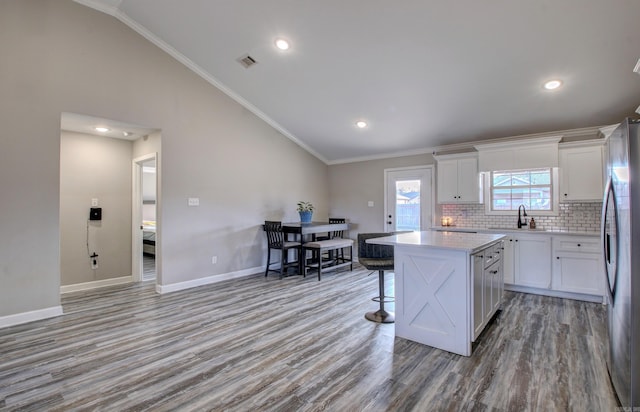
(447, 285)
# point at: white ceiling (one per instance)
(423, 73)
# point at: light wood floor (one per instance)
(295, 344)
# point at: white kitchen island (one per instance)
(448, 286)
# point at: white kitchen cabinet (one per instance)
(531, 260)
(458, 179)
(581, 172)
(577, 265)
(488, 286)
(508, 258)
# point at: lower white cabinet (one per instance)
(488, 285)
(531, 260)
(555, 265)
(577, 265)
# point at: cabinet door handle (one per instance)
(578, 244)
(494, 271)
(557, 257)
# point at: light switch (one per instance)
(370, 203)
(94, 202)
(194, 201)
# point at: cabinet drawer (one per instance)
(493, 254)
(577, 244)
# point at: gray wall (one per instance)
(59, 56)
(94, 167)
(352, 185)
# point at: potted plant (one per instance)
(305, 209)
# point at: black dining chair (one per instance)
(276, 239)
(377, 257)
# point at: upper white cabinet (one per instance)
(458, 179)
(581, 172)
(519, 154)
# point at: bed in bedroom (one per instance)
(149, 238)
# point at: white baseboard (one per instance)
(174, 287)
(95, 284)
(31, 316)
(555, 293)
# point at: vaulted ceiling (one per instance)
(421, 73)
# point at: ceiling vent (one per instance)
(247, 61)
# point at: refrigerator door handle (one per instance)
(609, 201)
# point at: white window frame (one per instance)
(555, 194)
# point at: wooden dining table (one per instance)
(305, 232)
(312, 229)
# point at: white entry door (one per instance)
(409, 199)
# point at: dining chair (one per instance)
(276, 239)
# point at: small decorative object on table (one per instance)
(306, 211)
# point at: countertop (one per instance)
(467, 242)
(511, 231)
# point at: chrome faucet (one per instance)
(524, 214)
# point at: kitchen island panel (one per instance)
(432, 289)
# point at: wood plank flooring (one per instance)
(295, 344)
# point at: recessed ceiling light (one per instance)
(127, 134)
(102, 129)
(361, 124)
(282, 44)
(552, 84)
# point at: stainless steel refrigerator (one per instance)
(621, 248)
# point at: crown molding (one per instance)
(144, 32)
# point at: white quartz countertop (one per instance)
(467, 242)
(511, 230)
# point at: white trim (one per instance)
(555, 293)
(519, 143)
(430, 218)
(136, 214)
(606, 131)
(174, 287)
(555, 201)
(95, 284)
(144, 32)
(24, 317)
(428, 150)
(582, 143)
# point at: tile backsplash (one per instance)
(573, 217)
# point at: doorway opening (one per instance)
(144, 221)
(409, 199)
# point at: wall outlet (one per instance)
(370, 203)
(214, 260)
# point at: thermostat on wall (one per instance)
(95, 213)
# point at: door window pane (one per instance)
(408, 205)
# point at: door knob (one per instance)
(389, 222)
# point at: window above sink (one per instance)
(536, 189)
